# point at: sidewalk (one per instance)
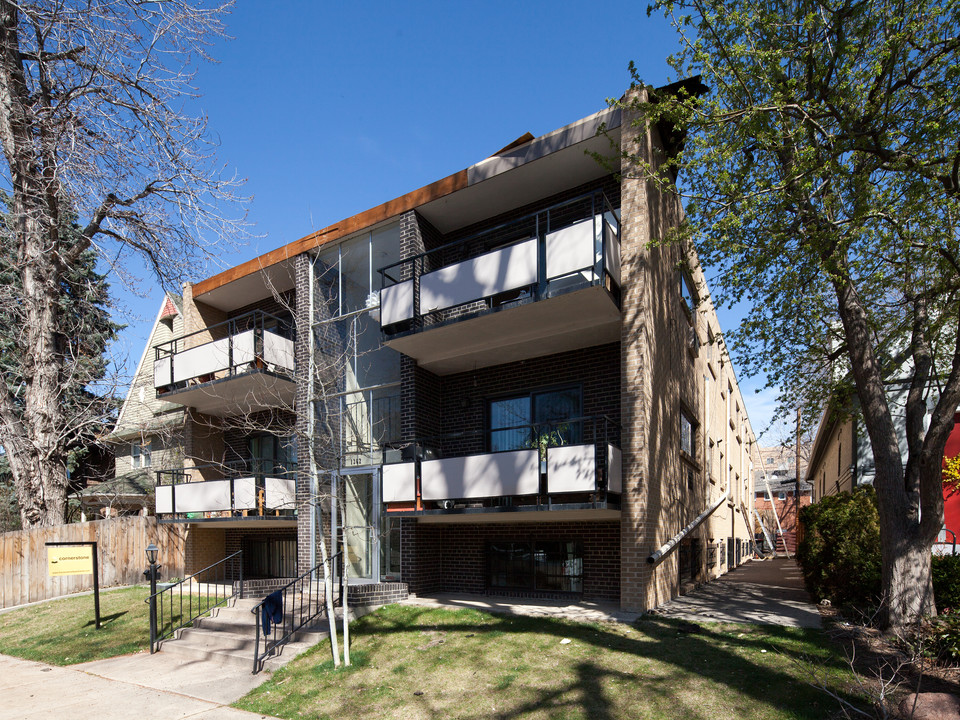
(145, 687)
(763, 592)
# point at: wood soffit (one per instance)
(339, 230)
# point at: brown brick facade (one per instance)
(453, 558)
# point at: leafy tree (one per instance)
(96, 140)
(821, 174)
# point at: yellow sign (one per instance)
(70, 560)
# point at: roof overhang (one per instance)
(515, 176)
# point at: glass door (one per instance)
(359, 522)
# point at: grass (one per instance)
(422, 663)
(63, 632)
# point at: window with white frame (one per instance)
(140, 455)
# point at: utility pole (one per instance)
(796, 492)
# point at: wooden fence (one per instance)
(120, 546)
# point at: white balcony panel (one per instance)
(243, 349)
(201, 360)
(277, 351)
(203, 496)
(396, 303)
(614, 469)
(164, 499)
(281, 493)
(481, 476)
(399, 483)
(245, 493)
(611, 251)
(570, 250)
(495, 272)
(162, 372)
(571, 468)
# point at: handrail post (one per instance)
(153, 607)
(240, 591)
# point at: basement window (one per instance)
(548, 566)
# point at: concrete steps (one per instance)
(228, 635)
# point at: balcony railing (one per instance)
(245, 489)
(544, 466)
(566, 247)
(253, 341)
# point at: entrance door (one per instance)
(359, 522)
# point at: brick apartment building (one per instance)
(493, 384)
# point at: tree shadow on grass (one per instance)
(733, 664)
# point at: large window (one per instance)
(272, 455)
(552, 566)
(537, 419)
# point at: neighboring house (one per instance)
(506, 386)
(951, 497)
(148, 435)
(783, 490)
(842, 460)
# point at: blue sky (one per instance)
(332, 108)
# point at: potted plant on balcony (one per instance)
(547, 438)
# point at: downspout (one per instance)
(660, 553)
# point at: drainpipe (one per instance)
(660, 553)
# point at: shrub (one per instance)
(840, 552)
(946, 582)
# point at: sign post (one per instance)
(76, 558)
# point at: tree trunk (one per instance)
(907, 580)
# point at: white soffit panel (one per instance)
(571, 468)
(614, 469)
(206, 496)
(281, 493)
(164, 499)
(396, 303)
(245, 494)
(570, 249)
(481, 476)
(506, 269)
(399, 483)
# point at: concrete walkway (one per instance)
(765, 592)
(762, 592)
(142, 686)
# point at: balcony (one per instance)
(243, 494)
(544, 283)
(246, 364)
(579, 480)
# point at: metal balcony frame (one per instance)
(414, 267)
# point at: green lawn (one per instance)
(63, 632)
(415, 662)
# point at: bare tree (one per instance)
(95, 133)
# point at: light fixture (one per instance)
(152, 551)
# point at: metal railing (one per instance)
(179, 604)
(257, 321)
(599, 431)
(230, 472)
(535, 226)
(302, 601)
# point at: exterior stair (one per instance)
(227, 635)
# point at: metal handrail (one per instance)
(602, 429)
(163, 627)
(298, 611)
(232, 325)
